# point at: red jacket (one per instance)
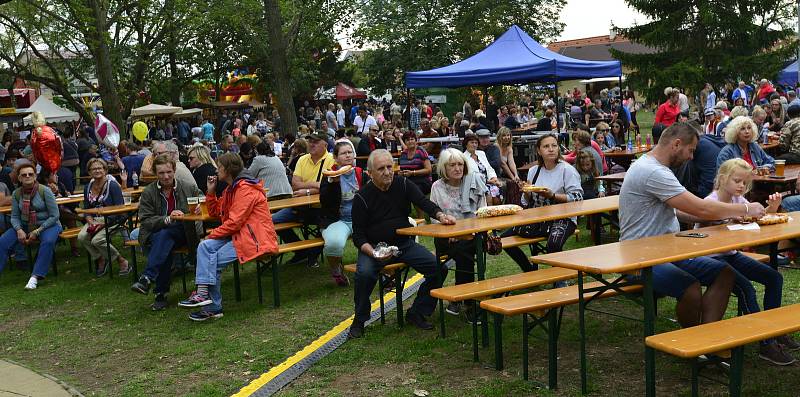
(246, 219)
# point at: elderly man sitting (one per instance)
(379, 209)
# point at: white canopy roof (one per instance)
(52, 112)
(188, 112)
(154, 109)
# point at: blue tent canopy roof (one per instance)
(514, 58)
(788, 76)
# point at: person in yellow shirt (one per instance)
(305, 182)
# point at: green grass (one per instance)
(102, 338)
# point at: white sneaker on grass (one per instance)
(32, 283)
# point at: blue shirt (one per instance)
(208, 131)
(133, 163)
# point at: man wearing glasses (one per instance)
(369, 144)
(182, 173)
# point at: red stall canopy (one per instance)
(344, 91)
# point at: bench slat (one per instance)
(516, 241)
(287, 225)
(728, 333)
(351, 268)
(759, 257)
(548, 299)
(300, 245)
(70, 233)
(500, 285)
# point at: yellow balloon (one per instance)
(140, 130)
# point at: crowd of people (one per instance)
(698, 172)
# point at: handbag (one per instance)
(492, 244)
(534, 230)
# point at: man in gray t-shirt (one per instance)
(650, 203)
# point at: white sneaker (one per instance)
(32, 283)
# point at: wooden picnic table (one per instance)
(476, 226)
(641, 255)
(111, 210)
(60, 201)
(299, 201)
(618, 177)
(627, 154)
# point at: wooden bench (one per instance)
(272, 260)
(543, 306)
(730, 334)
(495, 287)
(517, 241)
(182, 251)
(399, 271)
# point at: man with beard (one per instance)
(651, 202)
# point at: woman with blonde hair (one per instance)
(202, 166)
(507, 164)
(668, 112)
(741, 134)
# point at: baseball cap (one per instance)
(319, 135)
(709, 112)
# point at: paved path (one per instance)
(17, 381)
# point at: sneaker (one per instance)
(126, 272)
(356, 331)
(142, 286)
(788, 343)
(774, 353)
(783, 260)
(418, 321)
(204, 315)
(195, 300)
(159, 304)
(101, 272)
(454, 308)
(32, 284)
(341, 280)
(472, 316)
(388, 283)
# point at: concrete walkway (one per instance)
(16, 381)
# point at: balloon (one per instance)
(112, 139)
(140, 130)
(45, 144)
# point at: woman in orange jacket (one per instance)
(246, 233)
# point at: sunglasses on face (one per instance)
(26, 175)
(604, 130)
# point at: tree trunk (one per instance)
(105, 74)
(280, 67)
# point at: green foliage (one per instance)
(701, 41)
(410, 35)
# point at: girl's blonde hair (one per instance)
(727, 169)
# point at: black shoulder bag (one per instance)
(534, 230)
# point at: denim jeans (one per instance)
(411, 253)
(335, 236)
(791, 204)
(212, 257)
(747, 270)
(159, 256)
(47, 246)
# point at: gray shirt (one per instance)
(643, 211)
(271, 171)
(562, 179)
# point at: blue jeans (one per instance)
(47, 246)
(335, 236)
(672, 279)
(791, 204)
(159, 256)
(749, 269)
(212, 257)
(411, 253)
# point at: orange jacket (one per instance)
(246, 219)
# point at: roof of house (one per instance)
(597, 48)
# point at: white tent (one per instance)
(52, 112)
(188, 112)
(155, 110)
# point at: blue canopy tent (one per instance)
(788, 76)
(514, 58)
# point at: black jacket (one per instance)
(330, 198)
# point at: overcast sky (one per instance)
(587, 18)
